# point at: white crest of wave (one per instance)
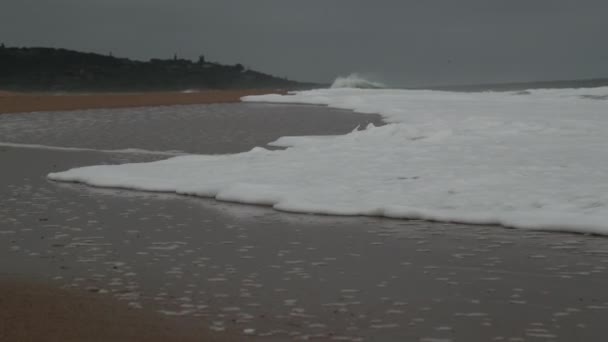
(356, 81)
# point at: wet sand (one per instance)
(232, 267)
(31, 307)
(31, 311)
(34, 102)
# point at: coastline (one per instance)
(11, 102)
(234, 267)
(34, 302)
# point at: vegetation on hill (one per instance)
(48, 69)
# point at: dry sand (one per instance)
(36, 312)
(33, 102)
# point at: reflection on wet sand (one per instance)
(259, 272)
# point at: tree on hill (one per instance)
(60, 69)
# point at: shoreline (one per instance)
(242, 268)
(22, 277)
(11, 102)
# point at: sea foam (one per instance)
(534, 160)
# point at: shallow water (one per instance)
(288, 276)
(206, 129)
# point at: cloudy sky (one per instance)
(400, 42)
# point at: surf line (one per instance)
(84, 149)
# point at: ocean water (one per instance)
(532, 160)
(173, 130)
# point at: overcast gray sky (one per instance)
(400, 42)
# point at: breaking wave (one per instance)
(356, 81)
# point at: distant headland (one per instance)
(50, 69)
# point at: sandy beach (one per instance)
(36, 307)
(11, 102)
(31, 311)
(206, 265)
